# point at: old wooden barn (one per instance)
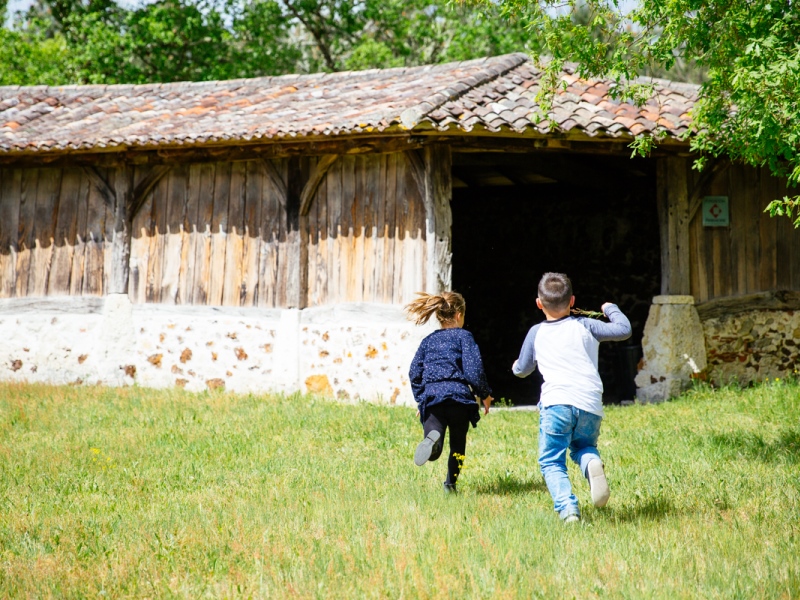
(265, 233)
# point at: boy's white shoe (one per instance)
(598, 483)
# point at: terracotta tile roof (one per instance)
(494, 94)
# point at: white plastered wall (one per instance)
(349, 351)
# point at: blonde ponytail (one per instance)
(445, 306)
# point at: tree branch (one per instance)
(317, 34)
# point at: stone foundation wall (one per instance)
(752, 346)
(353, 352)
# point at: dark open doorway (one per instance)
(517, 216)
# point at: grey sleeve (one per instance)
(526, 363)
(617, 330)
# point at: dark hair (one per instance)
(445, 306)
(555, 291)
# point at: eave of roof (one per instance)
(496, 95)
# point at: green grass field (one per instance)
(141, 493)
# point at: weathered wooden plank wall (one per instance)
(53, 232)
(10, 188)
(756, 253)
(366, 232)
(211, 234)
(216, 234)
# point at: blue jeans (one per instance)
(561, 427)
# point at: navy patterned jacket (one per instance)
(448, 365)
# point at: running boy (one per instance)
(446, 377)
(571, 408)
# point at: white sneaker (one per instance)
(598, 483)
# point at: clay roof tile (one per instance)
(492, 93)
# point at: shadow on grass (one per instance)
(752, 446)
(504, 486)
(644, 509)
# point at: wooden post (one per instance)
(673, 217)
(296, 239)
(437, 191)
(121, 242)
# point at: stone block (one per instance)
(674, 349)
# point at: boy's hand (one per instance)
(603, 308)
(487, 403)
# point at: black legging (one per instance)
(454, 416)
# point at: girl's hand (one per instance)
(487, 403)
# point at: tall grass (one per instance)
(140, 493)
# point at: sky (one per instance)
(17, 5)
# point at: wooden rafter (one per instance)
(468, 178)
(101, 185)
(417, 168)
(316, 177)
(143, 188)
(268, 167)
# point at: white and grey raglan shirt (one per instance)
(565, 351)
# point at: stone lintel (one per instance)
(673, 299)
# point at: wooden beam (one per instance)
(386, 142)
(317, 175)
(673, 216)
(101, 185)
(143, 188)
(67, 305)
(489, 142)
(564, 167)
(437, 193)
(706, 179)
(722, 307)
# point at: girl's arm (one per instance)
(415, 374)
(473, 368)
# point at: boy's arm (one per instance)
(617, 330)
(526, 363)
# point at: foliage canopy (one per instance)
(748, 51)
(102, 41)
